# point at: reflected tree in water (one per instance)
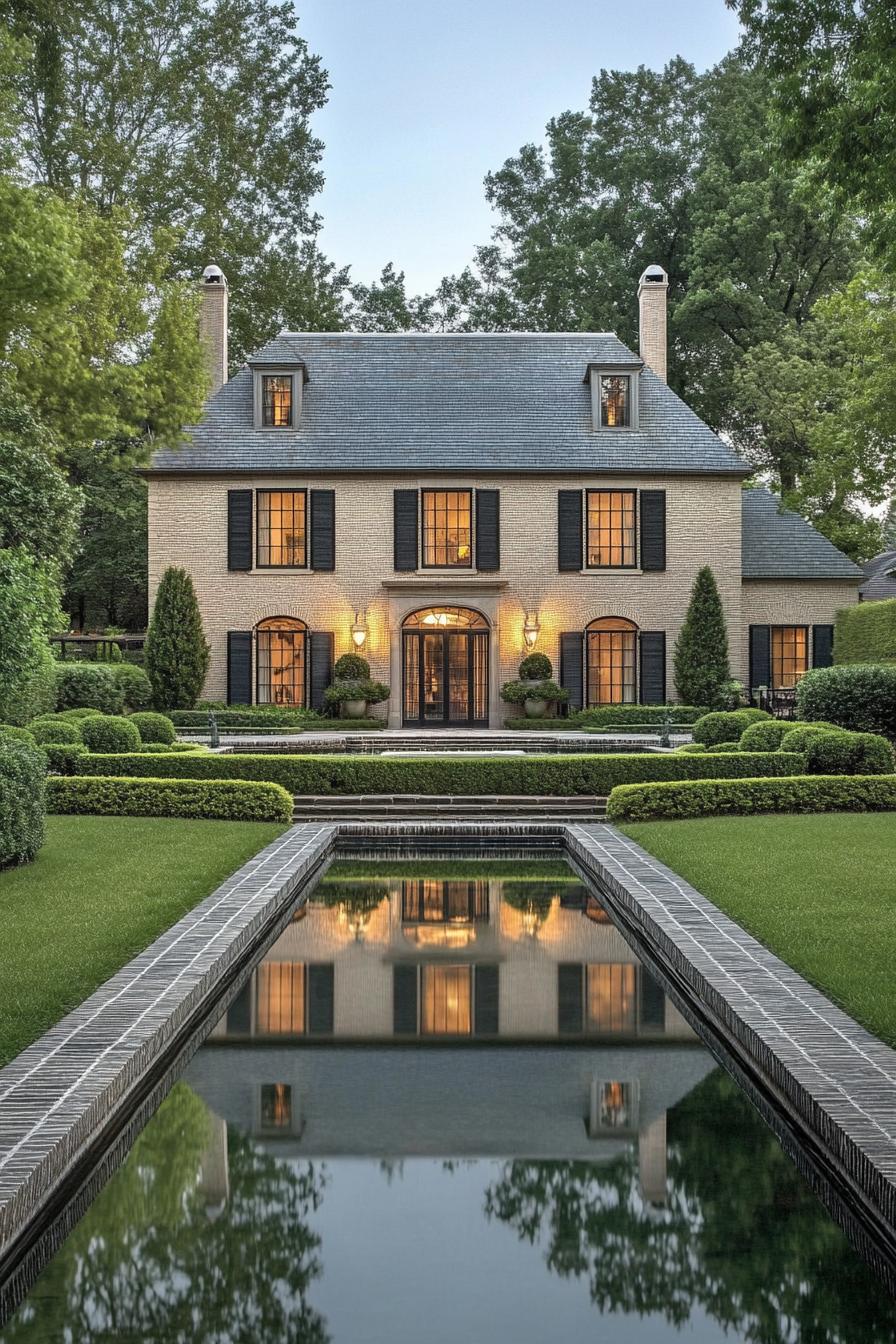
(741, 1235)
(152, 1261)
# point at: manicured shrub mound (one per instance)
(801, 734)
(723, 748)
(342, 774)
(73, 715)
(211, 800)
(134, 684)
(18, 734)
(746, 797)
(60, 731)
(765, 735)
(861, 697)
(535, 667)
(88, 686)
(250, 716)
(107, 733)
(691, 749)
(866, 633)
(351, 667)
(726, 726)
(23, 771)
(843, 753)
(62, 757)
(153, 727)
(608, 716)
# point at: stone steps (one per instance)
(426, 744)
(479, 807)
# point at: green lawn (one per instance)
(100, 890)
(820, 891)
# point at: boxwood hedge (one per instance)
(726, 725)
(859, 696)
(61, 732)
(108, 733)
(62, 757)
(765, 735)
(743, 797)
(842, 753)
(210, 800)
(345, 774)
(153, 727)
(23, 769)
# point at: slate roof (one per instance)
(880, 577)
(449, 403)
(778, 544)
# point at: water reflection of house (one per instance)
(514, 967)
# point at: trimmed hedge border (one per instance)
(23, 769)
(272, 718)
(534, 774)
(745, 797)
(209, 800)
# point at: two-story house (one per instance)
(447, 503)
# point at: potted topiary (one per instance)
(535, 690)
(352, 689)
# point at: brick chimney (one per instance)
(652, 288)
(213, 325)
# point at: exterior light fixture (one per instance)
(359, 630)
(531, 627)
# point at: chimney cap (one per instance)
(213, 275)
(654, 275)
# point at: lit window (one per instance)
(442, 902)
(615, 401)
(276, 1106)
(447, 529)
(790, 655)
(611, 997)
(611, 645)
(280, 662)
(615, 1106)
(276, 400)
(280, 527)
(281, 998)
(611, 529)
(447, 995)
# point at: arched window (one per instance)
(612, 648)
(280, 661)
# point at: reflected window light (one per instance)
(276, 1106)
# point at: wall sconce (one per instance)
(531, 627)
(359, 630)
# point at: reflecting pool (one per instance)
(450, 1104)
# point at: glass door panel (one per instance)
(412, 677)
(433, 678)
(458, 678)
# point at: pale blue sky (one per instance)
(427, 97)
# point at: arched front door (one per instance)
(445, 668)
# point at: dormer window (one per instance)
(615, 401)
(276, 400)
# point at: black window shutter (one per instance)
(405, 521)
(321, 665)
(569, 530)
(320, 998)
(239, 529)
(571, 670)
(653, 529)
(485, 1001)
(653, 1001)
(239, 667)
(488, 544)
(404, 1000)
(822, 645)
(760, 656)
(653, 667)
(323, 529)
(570, 998)
(239, 1014)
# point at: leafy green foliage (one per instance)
(23, 770)
(859, 696)
(338, 773)
(108, 582)
(108, 733)
(351, 667)
(54, 730)
(518, 692)
(801, 734)
(701, 650)
(741, 797)
(39, 510)
(29, 610)
(19, 734)
(536, 667)
(609, 716)
(62, 758)
(210, 800)
(726, 725)
(153, 727)
(840, 752)
(371, 692)
(866, 633)
(88, 686)
(176, 652)
(249, 716)
(765, 735)
(134, 685)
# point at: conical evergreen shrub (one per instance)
(701, 650)
(176, 651)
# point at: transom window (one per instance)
(790, 655)
(276, 400)
(615, 401)
(447, 529)
(280, 661)
(611, 647)
(280, 529)
(441, 618)
(611, 540)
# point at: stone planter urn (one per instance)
(534, 707)
(354, 709)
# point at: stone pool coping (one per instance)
(827, 1086)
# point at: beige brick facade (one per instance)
(188, 526)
